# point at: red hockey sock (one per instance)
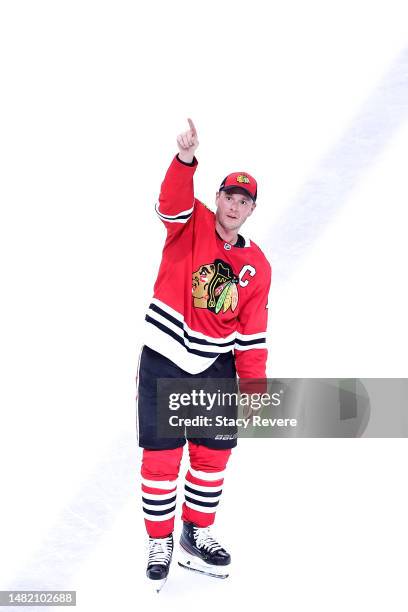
(159, 472)
(203, 483)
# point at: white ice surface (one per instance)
(311, 98)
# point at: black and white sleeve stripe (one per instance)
(245, 342)
(181, 217)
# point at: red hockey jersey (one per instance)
(209, 297)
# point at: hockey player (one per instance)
(207, 319)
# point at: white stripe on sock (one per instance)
(209, 488)
(158, 496)
(160, 484)
(158, 507)
(210, 476)
(162, 517)
(201, 498)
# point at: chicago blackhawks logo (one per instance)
(242, 178)
(215, 287)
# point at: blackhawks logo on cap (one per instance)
(241, 178)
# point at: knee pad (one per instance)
(208, 459)
(161, 464)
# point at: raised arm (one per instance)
(176, 200)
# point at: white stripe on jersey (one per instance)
(251, 336)
(175, 218)
(190, 331)
(206, 348)
(258, 345)
(167, 346)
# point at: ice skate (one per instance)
(200, 552)
(158, 564)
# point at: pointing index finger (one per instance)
(192, 126)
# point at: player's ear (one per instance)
(253, 206)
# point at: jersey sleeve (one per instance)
(176, 200)
(250, 345)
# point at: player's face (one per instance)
(233, 208)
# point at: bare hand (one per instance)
(187, 143)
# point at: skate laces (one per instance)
(203, 539)
(160, 550)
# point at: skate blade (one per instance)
(157, 585)
(194, 564)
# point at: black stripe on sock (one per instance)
(159, 512)
(201, 503)
(202, 493)
(159, 502)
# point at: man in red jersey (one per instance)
(207, 319)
